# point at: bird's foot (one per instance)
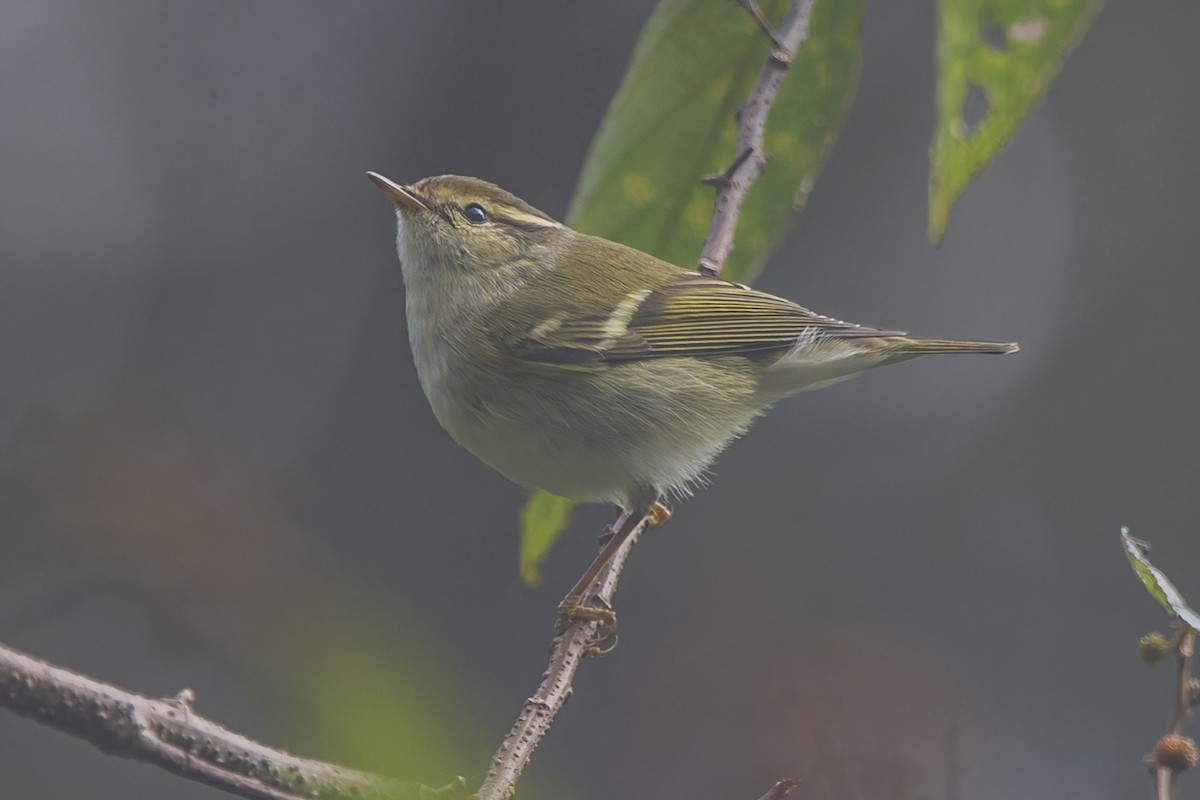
(571, 611)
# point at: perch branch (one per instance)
(570, 646)
(734, 183)
(567, 650)
(168, 733)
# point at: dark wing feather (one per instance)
(693, 315)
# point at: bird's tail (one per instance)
(834, 360)
(906, 346)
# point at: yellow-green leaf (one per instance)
(1156, 583)
(543, 519)
(995, 59)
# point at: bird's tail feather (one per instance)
(906, 346)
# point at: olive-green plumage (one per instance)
(593, 370)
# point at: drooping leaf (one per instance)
(995, 59)
(672, 123)
(543, 519)
(1156, 583)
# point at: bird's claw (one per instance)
(604, 618)
(596, 647)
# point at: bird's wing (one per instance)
(692, 315)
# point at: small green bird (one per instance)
(592, 370)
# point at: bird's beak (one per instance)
(401, 196)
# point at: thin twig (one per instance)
(1164, 783)
(734, 183)
(761, 19)
(567, 650)
(1166, 762)
(1185, 651)
(169, 734)
(780, 790)
(569, 647)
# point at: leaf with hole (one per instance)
(995, 59)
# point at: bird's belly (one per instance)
(557, 465)
(592, 439)
(557, 460)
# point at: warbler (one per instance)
(593, 370)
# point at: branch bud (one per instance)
(1175, 752)
(1153, 648)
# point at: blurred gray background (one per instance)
(217, 469)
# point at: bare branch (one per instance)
(761, 19)
(1185, 701)
(169, 734)
(734, 183)
(1164, 783)
(567, 650)
(780, 790)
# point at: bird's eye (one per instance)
(475, 214)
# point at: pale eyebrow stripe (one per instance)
(521, 218)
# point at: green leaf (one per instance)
(672, 122)
(995, 59)
(1156, 583)
(543, 519)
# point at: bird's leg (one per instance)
(611, 530)
(572, 609)
(659, 514)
